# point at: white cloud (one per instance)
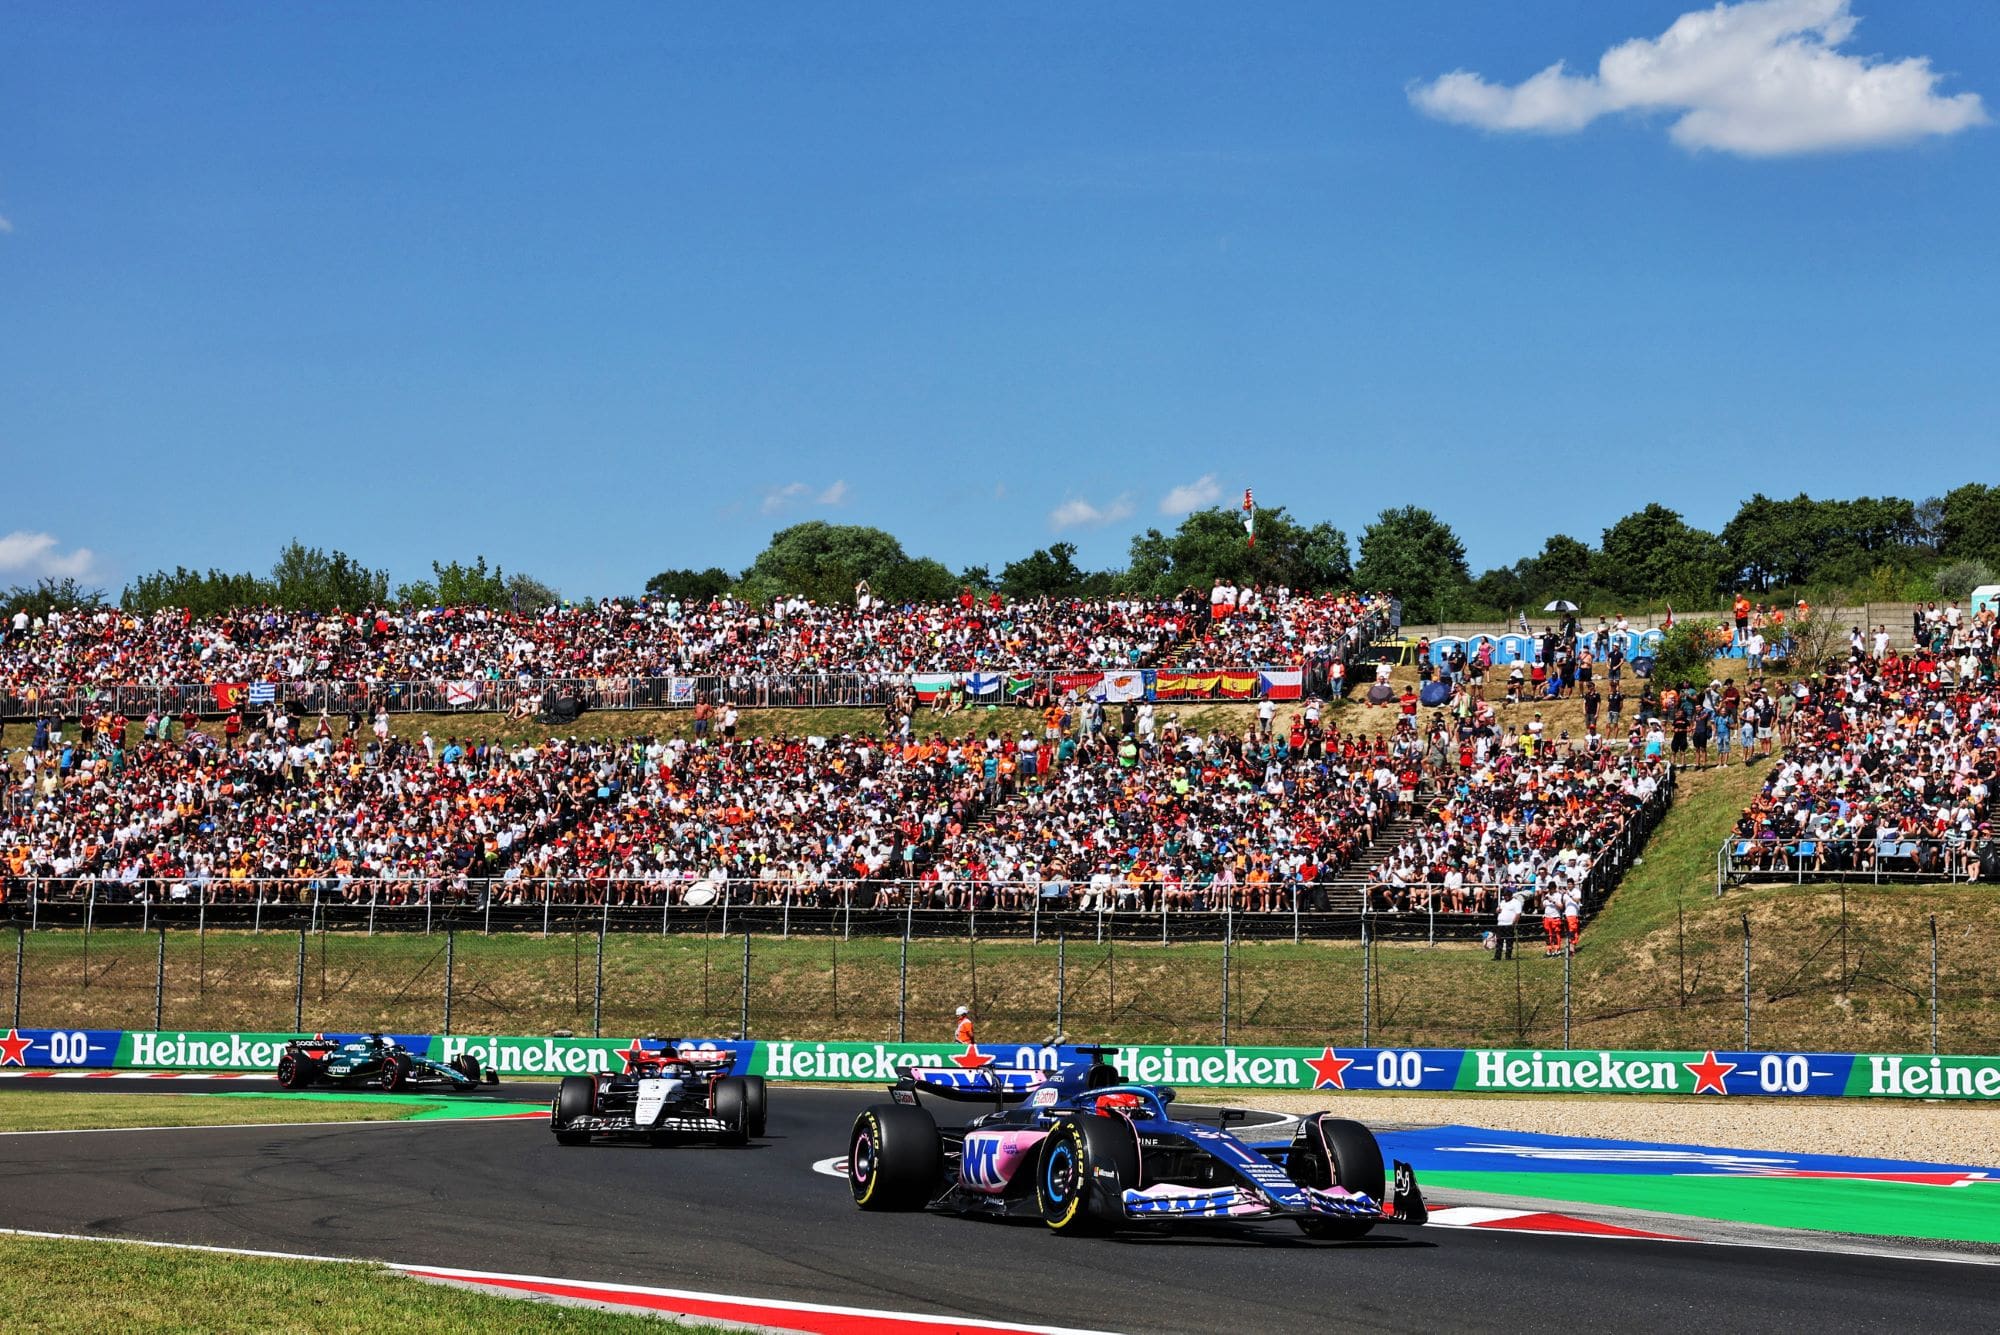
(1762, 78)
(780, 497)
(1079, 513)
(1191, 496)
(6, 225)
(833, 495)
(25, 555)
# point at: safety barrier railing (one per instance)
(1801, 858)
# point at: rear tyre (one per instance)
(1335, 1151)
(753, 1089)
(576, 1097)
(1072, 1198)
(895, 1158)
(730, 1104)
(296, 1070)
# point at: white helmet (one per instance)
(963, 1011)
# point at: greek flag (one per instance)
(262, 692)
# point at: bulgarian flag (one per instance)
(1249, 517)
(928, 686)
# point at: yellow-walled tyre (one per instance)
(1071, 1187)
(895, 1158)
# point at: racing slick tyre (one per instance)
(296, 1070)
(1333, 1151)
(895, 1158)
(753, 1090)
(1068, 1184)
(731, 1105)
(466, 1065)
(576, 1097)
(395, 1073)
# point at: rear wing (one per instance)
(977, 1084)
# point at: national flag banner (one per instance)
(1249, 517)
(680, 690)
(228, 694)
(1236, 685)
(928, 686)
(1280, 684)
(1120, 686)
(262, 692)
(1205, 685)
(982, 683)
(1083, 683)
(1018, 685)
(458, 693)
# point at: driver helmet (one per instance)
(1122, 1102)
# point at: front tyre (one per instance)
(576, 1097)
(395, 1073)
(754, 1099)
(467, 1065)
(730, 1104)
(1334, 1151)
(895, 1158)
(1071, 1184)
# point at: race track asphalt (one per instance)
(758, 1221)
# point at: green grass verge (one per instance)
(53, 1110)
(115, 1286)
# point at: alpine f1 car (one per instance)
(1085, 1153)
(376, 1062)
(661, 1094)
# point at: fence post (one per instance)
(1295, 914)
(785, 920)
(743, 1021)
(20, 962)
(450, 951)
(903, 990)
(299, 987)
(548, 906)
(1367, 980)
(257, 916)
(1566, 962)
(1746, 982)
(160, 981)
(35, 903)
(374, 894)
(1035, 920)
(597, 987)
(1934, 990)
(725, 907)
(1228, 940)
(1062, 981)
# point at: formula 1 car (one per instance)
(375, 1062)
(1086, 1153)
(662, 1094)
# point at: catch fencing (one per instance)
(1880, 860)
(1797, 976)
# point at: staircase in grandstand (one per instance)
(1346, 892)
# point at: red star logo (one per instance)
(14, 1049)
(1329, 1071)
(972, 1058)
(635, 1055)
(1708, 1073)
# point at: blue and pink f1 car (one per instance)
(1083, 1151)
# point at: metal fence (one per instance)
(1875, 861)
(1785, 979)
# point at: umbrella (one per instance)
(1561, 605)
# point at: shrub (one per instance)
(1960, 578)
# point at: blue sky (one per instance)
(600, 298)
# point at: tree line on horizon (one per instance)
(1881, 549)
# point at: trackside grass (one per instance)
(48, 1110)
(113, 1286)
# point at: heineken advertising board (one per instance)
(1477, 1070)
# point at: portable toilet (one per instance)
(1986, 598)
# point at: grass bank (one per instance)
(52, 1110)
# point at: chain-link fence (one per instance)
(1817, 974)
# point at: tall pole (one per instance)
(1934, 981)
(903, 991)
(743, 1019)
(1367, 981)
(299, 988)
(1228, 939)
(450, 960)
(21, 960)
(597, 987)
(1746, 982)
(1566, 960)
(160, 981)
(1062, 982)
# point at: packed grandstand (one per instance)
(1094, 796)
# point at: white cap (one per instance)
(963, 1011)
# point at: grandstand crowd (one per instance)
(1108, 806)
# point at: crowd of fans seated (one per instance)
(1891, 762)
(64, 657)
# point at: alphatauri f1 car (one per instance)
(1086, 1152)
(376, 1062)
(660, 1095)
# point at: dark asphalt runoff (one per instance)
(758, 1221)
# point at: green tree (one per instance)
(1970, 524)
(690, 586)
(922, 580)
(1046, 572)
(525, 593)
(978, 578)
(1687, 652)
(1413, 554)
(824, 562)
(1653, 555)
(52, 595)
(1210, 545)
(202, 593)
(309, 579)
